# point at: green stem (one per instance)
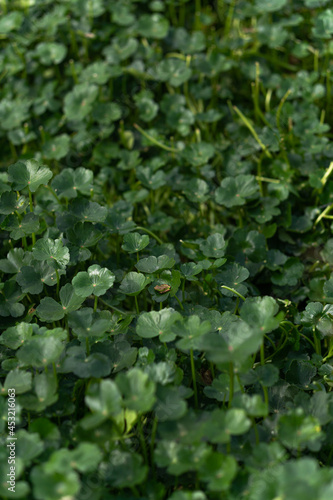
(233, 291)
(327, 174)
(253, 132)
(136, 304)
(278, 113)
(258, 177)
(328, 92)
(55, 373)
(194, 380)
(267, 179)
(180, 304)
(159, 241)
(33, 236)
(229, 18)
(155, 141)
(152, 439)
(142, 441)
(73, 71)
(58, 282)
(325, 212)
(262, 354)
(317, 342)
(54, 194)
(231, 383)
(95, 303)
(255, 428)
(197, 22)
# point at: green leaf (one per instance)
(46, 484)
(261, 313)
(218, 471)
(269, 5)
(196, 190)
(125, 470)
(221, 425)
(79, 102)
(95, 365)
(135, 242)
(232, 275)
(95, 280)
(234, 191)
(87, 323)
(190, 270)
(9, 203)
(137, 389)
(84, 458)
(152, 264)
(15, 336)
(29, 173)
(133, 283)
(32, 278)
(52, 252)
(104, 398)
(323, 25)
(49, 310)
(198, 154)
(318, 316)
(84, 235)
(98, 72)
(40, 351)
(214, 246)
(51, 53)
(220, 388)
(16, 259)
(29, 445)
(158, 324)
(234, 344)
(69, 182)
(170, 404)
(57, 147)
(20, 228)
(11, 22)
(191, 331)
(173, 71)
(153, 26)
(253, 405)
(89, 211)
(292, 272)
(180, 458)
(19, 380)
(9, 300)
(298, 431)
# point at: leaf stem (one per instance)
(142, 440)
(323, 214)
(194, 380)
(253, 132)
(179, 302)
(159, 241)
(155, 141)
(58, 282)
(95, 303)
(136, 304)
(233, 291)
(231, 383)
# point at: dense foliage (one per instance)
(166, 296)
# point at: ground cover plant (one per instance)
(166, 294)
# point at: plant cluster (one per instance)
(166, 294)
